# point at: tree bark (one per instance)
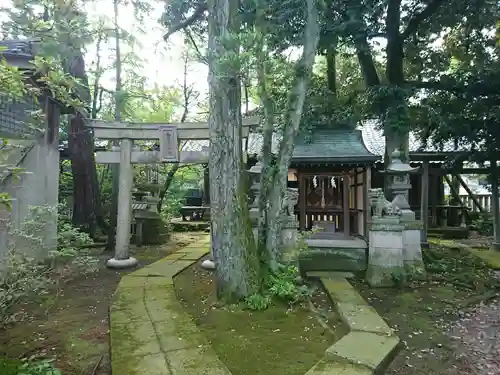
(295, 105)
(233, 245)
(331, 70)
(87, 210)
(267, 132)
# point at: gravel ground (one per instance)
(477, 339)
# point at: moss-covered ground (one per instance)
(422, 312)
(72, 324)
(282, 340)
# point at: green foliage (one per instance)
(37, 367)
(12, 79)
(28, 366)
(283, 286)
(26, 277)
(258, 301)
(23, 278)
(70, 251)
(483, 224)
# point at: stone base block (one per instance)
(412, 255)
(208, 264)
(385, 267)
(154, 232)
(343, 259)
(121, 263)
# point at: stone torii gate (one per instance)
(170, 136)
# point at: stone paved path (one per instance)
(369, 345)
(150, 332)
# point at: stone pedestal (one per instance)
(412, 251)
(385, 253)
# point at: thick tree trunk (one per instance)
(233, 245)
(396, 124)
(87, 210)
(393, 109)
(268, 105)
(278, 185)
(331, 61)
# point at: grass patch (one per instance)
(489, 256)
(421, 313)
(280, 340)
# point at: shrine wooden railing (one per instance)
(485, 200)
(332, 217)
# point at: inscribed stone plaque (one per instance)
(169, 151)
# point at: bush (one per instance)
(284, 284)
(23, 277)
(28, 367)
(70, 252)
(483, 224)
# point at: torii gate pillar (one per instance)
(122, 258)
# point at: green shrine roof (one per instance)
(332, 145)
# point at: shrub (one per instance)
(23, 277)
(37, 367)
(285, 283)
(483, 224)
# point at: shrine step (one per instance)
(349, 255)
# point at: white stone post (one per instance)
(122, 258)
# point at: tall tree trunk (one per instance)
(396, 126)
(233, 245)
(115, 168)
(87, 210)
(268, 106)
(394, 107)
(295, 104)
(331, 61)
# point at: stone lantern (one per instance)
(399, 173)
(394, 250)
(254, 176)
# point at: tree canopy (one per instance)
(431, 66)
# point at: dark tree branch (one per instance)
(418, 18)
(187, 22)
(195, 46)
(472, 89)
(395, 54)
